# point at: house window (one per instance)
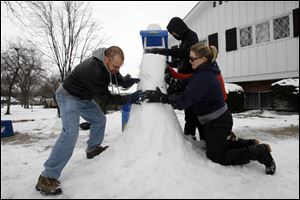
(231, 43)
(281, 27)
(265, 100)
(246, 36)
(296, 22)
(220, 2)
(252, 101)
(258, 100)
(262, 32)
(213, 40)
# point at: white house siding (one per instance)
(271, 60)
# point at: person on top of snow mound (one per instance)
(180, 31)
(88, 80)
(203, 95)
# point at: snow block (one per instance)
(6, 128)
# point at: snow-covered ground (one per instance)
(23, 155)
(151, 158)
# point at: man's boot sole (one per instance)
(57, 191)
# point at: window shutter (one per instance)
(213, 40)
(231, 41)
(296, 22)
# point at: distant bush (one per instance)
(285, 96)
(235, 97)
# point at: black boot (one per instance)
(261, 153)
(99, 149)
(242, 142)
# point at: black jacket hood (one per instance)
(178, 26)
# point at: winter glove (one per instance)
(157, 51)
(155, 96)
(135, 97)
(168, 76)
(127, 83)
(175, 88)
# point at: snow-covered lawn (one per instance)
(149, 173)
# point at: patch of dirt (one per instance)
(291, 131)
(23, 138)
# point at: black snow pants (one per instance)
(218, 148)
(191, 123)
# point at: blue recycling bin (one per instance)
(154, 38)
(125, 115)
(6, 128)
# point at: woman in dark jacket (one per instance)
(203, 95)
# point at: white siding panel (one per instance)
(271, 58)
(229, 13)
(279, 7)
(269, 9)
(260, 10)
(252, 61)
(204, 24)
(236, 13)
(221, 32)
(280, 56)
(245, 62)
(243, 13)
(215, 20)
(237, 64)
(261, 59)
(230, 64)
(289, 5)
(251, 12)
(209, 24)
(292, 53)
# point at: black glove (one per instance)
(127, 83)
(135, 97)
(155, 96)
(175, 87)
(157, 51)
(168, 76)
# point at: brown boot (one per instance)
(48, 186)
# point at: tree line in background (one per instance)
(62, 34)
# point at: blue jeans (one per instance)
(71, 108)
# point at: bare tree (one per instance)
(30, 74)
(66, 29)
(10, 67)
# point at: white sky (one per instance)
(122, 21)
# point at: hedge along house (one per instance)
(258, 42)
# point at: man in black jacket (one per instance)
(179, 30)
(89, 79)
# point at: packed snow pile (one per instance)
(152, 148)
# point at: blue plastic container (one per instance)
(154, 38)
(125, 115)
(6, 128)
